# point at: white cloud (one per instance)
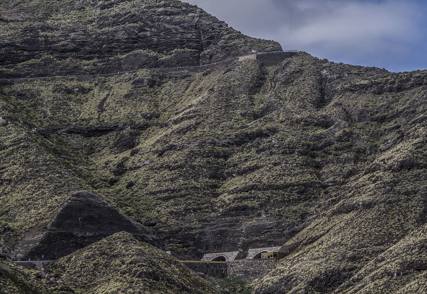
(348, 30)
(354, 26)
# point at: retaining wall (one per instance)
(273, 58)
(248, 57)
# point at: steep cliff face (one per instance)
(42, 40)
(328, 160)
(83, 219)
(65, 37)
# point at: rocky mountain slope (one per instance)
(144, 105)
(122, 264)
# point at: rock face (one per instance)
(83, 219)
(401, 268)
(112, 36)
(326, 160)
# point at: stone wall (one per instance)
(248, 57)
(249, 270)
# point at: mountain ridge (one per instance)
(326, 160)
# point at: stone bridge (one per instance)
(255, 253)
(219, 264)
(257, 263)
(221, 256)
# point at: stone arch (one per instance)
(221, 256)
(254, 252)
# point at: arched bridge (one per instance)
(255, 253)
(221, 256)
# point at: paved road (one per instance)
(169, 69)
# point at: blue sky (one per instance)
(391, 34)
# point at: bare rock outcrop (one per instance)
(327, 159)
(81, 37)
(83, 219)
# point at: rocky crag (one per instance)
(144, 105)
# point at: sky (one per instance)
(390, 34)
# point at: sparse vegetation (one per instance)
(327, 159)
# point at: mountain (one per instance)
(137, 268)
(52, 37)
(138, 116)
